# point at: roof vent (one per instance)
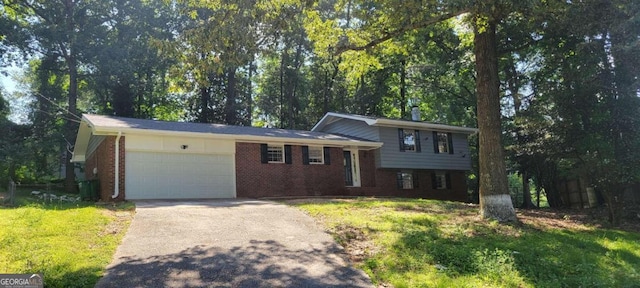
(415, 113)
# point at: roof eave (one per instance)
(424, 125)
(82, 142)
(392, 123)
(326, 120)
(112, 131)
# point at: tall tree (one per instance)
(495, 201)
(135, 84)
(578, 121)
(380, 26)
(47, 82)
(64, 30)
(218, 40)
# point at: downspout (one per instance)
(116, 186)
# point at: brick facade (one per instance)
(255, 179)
(383, 182)
(104, 160)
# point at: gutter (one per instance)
(107, 131)
(116, 186)
(424, 125)
(384, 122)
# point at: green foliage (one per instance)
(70, 244)
(129, 77)
(13, 155)
(570, 105)
(423, 243)
(4, 106)
(567, 72)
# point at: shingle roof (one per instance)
(101, 122)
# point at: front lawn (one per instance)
(426, 243)
(69, 243)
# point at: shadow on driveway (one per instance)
(249, 266)
(228, 243)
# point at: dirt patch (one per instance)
(120, 220)
(585, 219)
(297, 201)
(320, 200)
(355, 242)
(557, 219)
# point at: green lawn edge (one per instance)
(71, 244)
(427, 243)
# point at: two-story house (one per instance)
(342, 155)
(417, 159)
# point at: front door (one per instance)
(351, 168)
(348, 174)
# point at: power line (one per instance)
(60, 107)
(59, 116)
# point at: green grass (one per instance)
(424, 243)
(69, 243)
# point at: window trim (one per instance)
(412, 180)
(445, 180)
(311, 159)
(448, 143)
(281, 146)
(408, 147)
(402, 134)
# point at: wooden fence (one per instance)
(576, 194)
(11, 192)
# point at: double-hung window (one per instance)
(407, 180)
(409, 140)
(275, 153)
(442, 143)
(441, 180)
(316, 155)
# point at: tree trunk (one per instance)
(538, 195)
(282, 65)
(230, 105)
(205, 114)
(72, 111)
(624, 111)
(293, 80)
(475, 194)
(250, 94)
(403, 89)
(526, 191)
(615, 204)
(70, 126)
(495, 201)
(123, 99)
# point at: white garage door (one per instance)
(153, 175)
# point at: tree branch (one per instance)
(404, 29)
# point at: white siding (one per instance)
(175, 144)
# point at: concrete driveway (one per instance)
(227, 243)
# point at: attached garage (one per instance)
(154, 175)
(137, 159)
(164, 167)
